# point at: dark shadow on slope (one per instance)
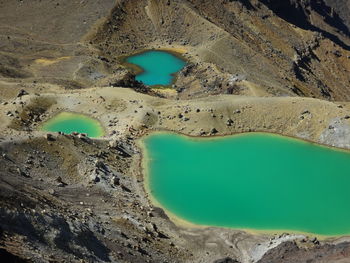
(82, 237)
(246, 4)
(298, 13)
(7, 257)
(27, 226)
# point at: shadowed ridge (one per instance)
(298, 14)
(342, 8)
(8, 257)
(246, 3)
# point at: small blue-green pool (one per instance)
(157, 67)
(251, 181)
(69, 122)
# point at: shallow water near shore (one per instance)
(68, 122)
(158, 67)
(251, 181)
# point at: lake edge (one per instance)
(101, 128)
(137, 70)
(182, 222)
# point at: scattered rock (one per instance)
(115, 180)
(202, 132)
(21, 93)
(22, 173)
(315, 241)
(226, 260)
(126, 189)
(100, 165)
(214, 131)
(60, 182)
(95, 178)
(84, 138)
(113, 144)
(150, 214)
(229, 122)
(337, 53)
(49, 137)
(125, 149)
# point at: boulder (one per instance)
(21, 93)
(100, 165)
(115, 180)
(214, 131)
(49, 137)
(229, 122)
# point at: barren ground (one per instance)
(71, 198)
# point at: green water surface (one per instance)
(158, 67)
(251, 181)
(68, 122)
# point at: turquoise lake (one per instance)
(69, 122)
(252, 181)
(158, 67)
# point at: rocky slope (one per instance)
(282, 65)
(71, 198)
(258, 42)
(341, 8)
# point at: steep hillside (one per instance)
(261, 43)
(278, 48)
(342, 8)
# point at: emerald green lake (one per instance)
(158, 67)
(68, 122)
(251, 181)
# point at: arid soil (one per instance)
(251, 67)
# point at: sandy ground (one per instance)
(121, 110)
